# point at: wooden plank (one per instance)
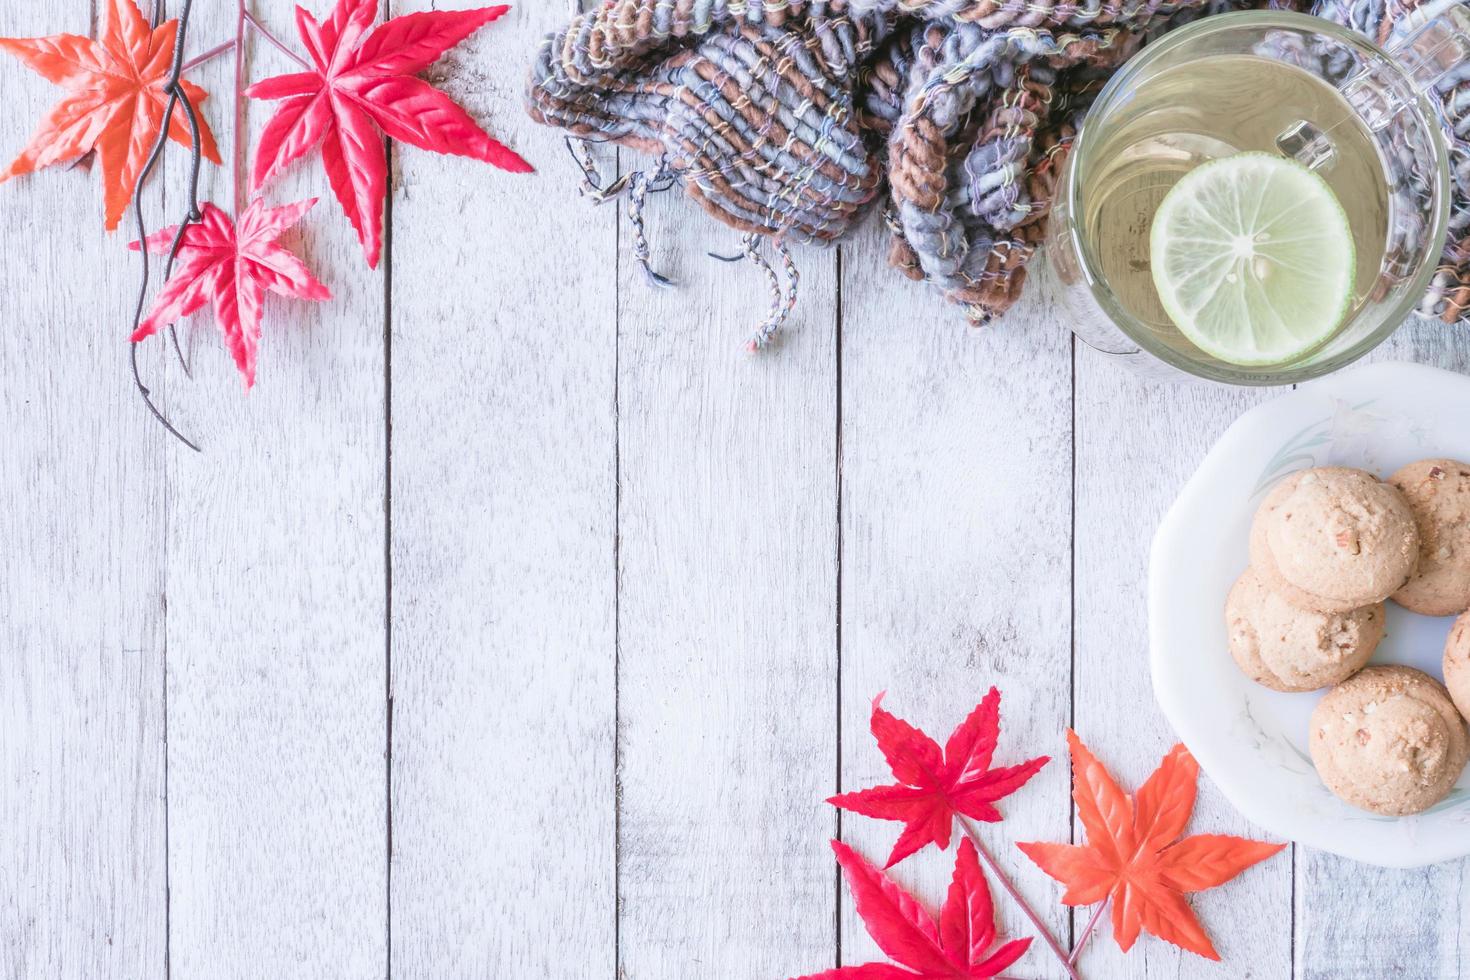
(1137, 442)
(504, 493)
(1356, 922)
(81, 611)
(956, 527)
(727, 605)
(276, 614)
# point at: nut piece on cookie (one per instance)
(1334, 539)
(1292, 649)
(1389, 740)
(1457, 664)
(1438, 494)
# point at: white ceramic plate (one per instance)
(1250, 740)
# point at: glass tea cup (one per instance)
(1362, 118)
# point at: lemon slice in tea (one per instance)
(1252, 258)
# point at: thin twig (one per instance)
(213, 52)
(175, 96)
(1017, 897)
(1087, 931)
(173, 336)
(276, 42)
(196, 160)
(237, 148)
(148, 400)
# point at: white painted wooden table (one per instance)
(517, 624)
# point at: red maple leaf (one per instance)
(114, 103)
(1132, 856)
(953, 949)
(233, 266)
(934, 785)
(364, 83)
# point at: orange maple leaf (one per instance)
(1132, 856)
(114, 102)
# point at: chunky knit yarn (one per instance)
(785, 118)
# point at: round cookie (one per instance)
(1333, 539)
(1457, 664)
(1438, 494)
(1291, 649)
(1388, 740)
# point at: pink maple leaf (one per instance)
(233, 266)
(363, 83)
(957, 947)
(934, 784)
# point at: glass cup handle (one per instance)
(1433, 41)
(1436, 43)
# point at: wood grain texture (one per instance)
(643, 589)
(727, 614)
(82, 862)
(956, 531)
(504, 494)
(1348, 926)
(1137, 443)
(276, 618)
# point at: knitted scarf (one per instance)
(785, 118)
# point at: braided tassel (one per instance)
(787, 299)
(591, 185)
(638, 188)
(783, 293)
(638, 185)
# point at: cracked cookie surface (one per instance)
(1333, 539)
(1438, 494)
(1389, 740)
(1457, 664)
(1287, 648)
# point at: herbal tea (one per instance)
(1208, 110)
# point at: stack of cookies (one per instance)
(1328, 546)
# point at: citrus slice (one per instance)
(1252, 258)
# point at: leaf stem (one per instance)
(173, 336)
(1016, 896)
(276, 42)
(237, 147)
(212, 53)
(1087, 931)
(196, 160)
(176, 95)
(148, 400)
